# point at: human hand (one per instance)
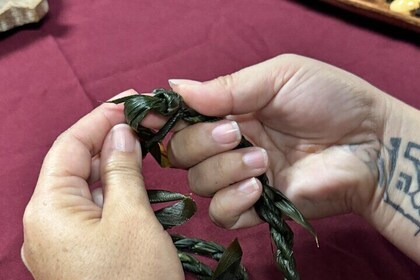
(69, 236)
(316, 130)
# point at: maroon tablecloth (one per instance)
(53, 73)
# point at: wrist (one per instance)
(394, 209)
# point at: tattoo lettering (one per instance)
(402, 183)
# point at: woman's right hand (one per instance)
(318, 132)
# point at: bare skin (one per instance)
(70, 233)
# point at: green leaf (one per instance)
(198, 246)
(136, 109)
(158, 196)
(229, 266)
(176, 214)
(193, 265)
(289, 209)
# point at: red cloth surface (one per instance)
(53, 73)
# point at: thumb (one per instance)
(245, 91)
(122, 182)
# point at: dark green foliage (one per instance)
(229, 266)
(158, 196)
(193, 265)
(178, 214)
(198, 246)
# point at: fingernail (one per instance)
(248, 186)
(98, 197)
(122, 138)
(124, 93)
(256, 159)
(177, 82)
(226, 133)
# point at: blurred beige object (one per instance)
(380, 9)
(404, 6)
(19, 12)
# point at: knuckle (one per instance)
(181, 149)
(227, 82)
(27, 218)
(192, 180)
(61, 137)
(203, 180)
(225, 168)
(220, 213)
(120, 167)
(216, 220)
(174, 153)
(220, 166)
(30, 216)
(212, 174)
(186, 147)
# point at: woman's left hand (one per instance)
(70, 234)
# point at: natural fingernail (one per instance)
(177, 82)
(248, 186)
(226, 133)
(98, 197)
(256, 159)
(123, 139)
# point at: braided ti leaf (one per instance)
(198, 246)
(193, 265)
(178, 214)
(229, 266)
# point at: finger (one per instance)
(67, 165)
(98, 197)
(156, 121)
(232, 207)
(245, 91)
(122, 182)
(95, 174)
(227, 168)
(195, 143)
(152, 121)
